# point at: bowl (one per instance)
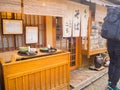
(23, 49)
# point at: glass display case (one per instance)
(93, 43)
(96, 41)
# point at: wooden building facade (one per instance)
(50, 26)
(50, 17)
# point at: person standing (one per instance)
(113, 47)
(112, 23)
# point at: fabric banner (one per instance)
(67, 24)
(10, 6)
(100, 13)
(84, 21)
(71, 23)
(76, 22)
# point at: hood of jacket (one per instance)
(113, 14)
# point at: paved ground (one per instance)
(100, 84)
(86, 79)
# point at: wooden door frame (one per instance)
(77, 47)
(77, 55)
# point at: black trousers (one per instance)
(114, 67)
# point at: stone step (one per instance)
(81, 78)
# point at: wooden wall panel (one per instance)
(39, 80)
(1, 44)
(49, 31)
(12, 42)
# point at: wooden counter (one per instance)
(50, 72)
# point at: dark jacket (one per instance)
(111, 25)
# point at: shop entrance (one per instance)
(67, 44)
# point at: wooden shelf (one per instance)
(97, 51)
(93, 52)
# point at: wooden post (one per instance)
(50, 31)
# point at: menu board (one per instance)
(31, 34)
(12, 26)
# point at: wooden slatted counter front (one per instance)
(46, 72)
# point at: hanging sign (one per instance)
(76, 23)
(84, 22)
(67, 24)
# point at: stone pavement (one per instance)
(100, 84)
(85, 79)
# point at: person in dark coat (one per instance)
(113, 46)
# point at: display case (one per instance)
(93, 43)
(96, 41)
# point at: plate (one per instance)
(48, 50)
(44, 49)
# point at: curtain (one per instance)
(44, 7)
(10, 6)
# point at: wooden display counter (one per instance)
(44, 71)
